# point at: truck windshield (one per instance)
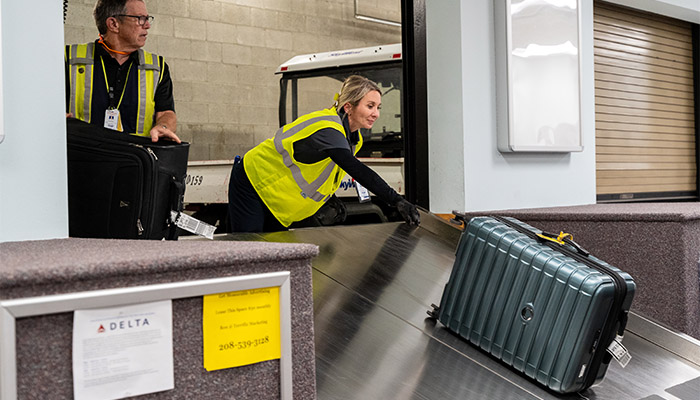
(308, 91)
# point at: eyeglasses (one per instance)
(140, 18)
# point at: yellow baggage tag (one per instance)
(113, 120)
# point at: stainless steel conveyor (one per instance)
(372, 287)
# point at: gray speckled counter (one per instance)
(38, 268)
(657, 243)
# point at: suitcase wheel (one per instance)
(434, 312)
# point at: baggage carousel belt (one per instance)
(372, 287)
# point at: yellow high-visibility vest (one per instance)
(81, 61)
(292, 190)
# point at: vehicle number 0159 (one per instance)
(194, 180)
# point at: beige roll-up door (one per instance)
(645, 127)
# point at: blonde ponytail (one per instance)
(353, 90)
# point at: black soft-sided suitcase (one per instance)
(538, 302)
(123, 186)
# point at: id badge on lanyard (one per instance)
(362, 192)
(113, 119)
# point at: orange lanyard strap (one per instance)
(102, 42)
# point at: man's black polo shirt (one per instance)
(118, 76)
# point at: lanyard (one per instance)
(110, 90)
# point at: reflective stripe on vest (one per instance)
(309, 190)
(292, 190)
(149, 76)
(81, 62)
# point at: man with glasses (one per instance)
(113, 82)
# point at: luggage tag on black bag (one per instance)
(192, 225)
(362, 192)
(619, 352)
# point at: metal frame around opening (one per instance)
(10, 310)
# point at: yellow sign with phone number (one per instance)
(241, 328)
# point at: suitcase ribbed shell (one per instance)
(534, 308)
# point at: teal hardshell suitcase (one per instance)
(538, 302)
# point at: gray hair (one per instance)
(105, 9)
(354, 89)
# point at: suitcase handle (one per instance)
(177, 195)
(460, 219)
(563, 238)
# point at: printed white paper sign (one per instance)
(123, 351)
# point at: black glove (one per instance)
(409, 212)
(332, 212)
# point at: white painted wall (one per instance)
(466, 170)
(447, 60)
(493, 180)
(33, 192)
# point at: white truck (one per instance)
(306, 83)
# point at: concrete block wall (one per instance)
(223, 54)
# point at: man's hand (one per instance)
(162, 131)
(165, 126)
